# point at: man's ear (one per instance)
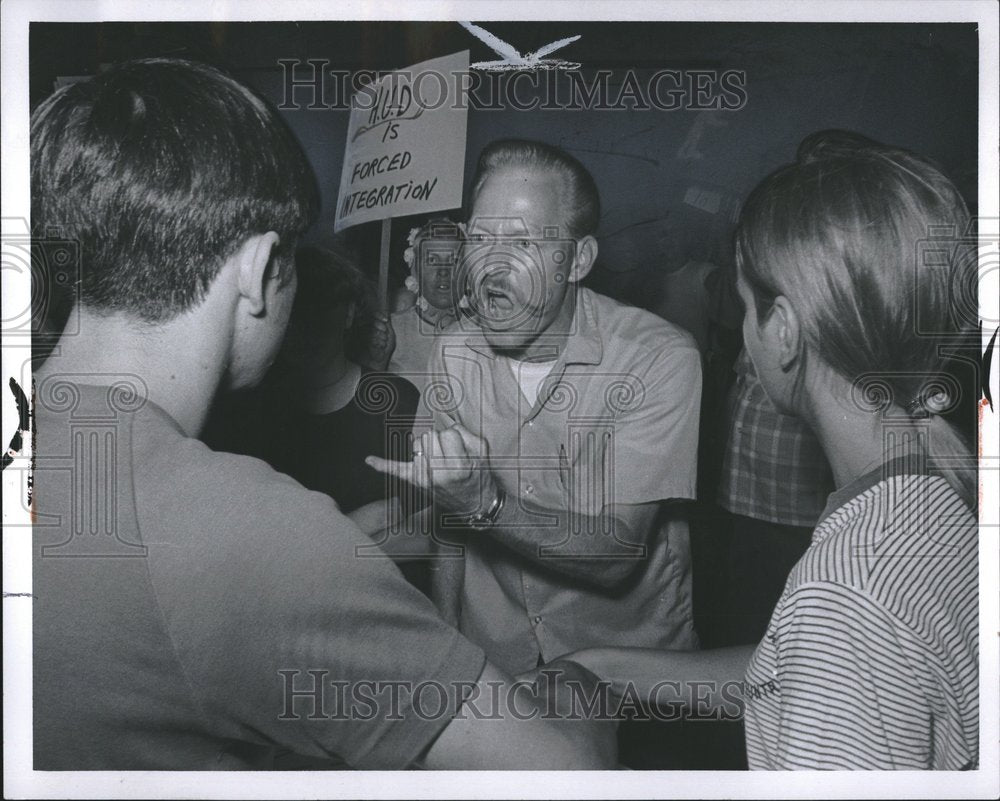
(253, 258)
(783, 324)
(586, 255)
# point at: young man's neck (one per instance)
(176, 365)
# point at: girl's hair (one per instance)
(583, 203)
(842, 233)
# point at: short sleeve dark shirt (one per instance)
(181, 594)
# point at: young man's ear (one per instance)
(253, 260)
(586, 255)
(783, 325)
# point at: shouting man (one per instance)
(562, 424)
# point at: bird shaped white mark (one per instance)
(512, 57)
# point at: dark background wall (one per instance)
(913, 85)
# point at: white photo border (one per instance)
(22, 782)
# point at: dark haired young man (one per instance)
(194, 609)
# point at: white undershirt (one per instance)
(530, 376)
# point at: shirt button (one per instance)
(538, 619)
(531, 423)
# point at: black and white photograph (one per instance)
(481, 400)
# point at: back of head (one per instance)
(839, 233)
(159, 169)
(579, 191)
(328, 278)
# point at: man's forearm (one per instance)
(702, 682)
(406, 539)
(601, 549)
(376, 516)
(500, 728)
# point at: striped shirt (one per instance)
(870, 660)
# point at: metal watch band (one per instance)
(488, 518)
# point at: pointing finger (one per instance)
(403, 470)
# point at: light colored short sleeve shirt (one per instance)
(615, 422)
(415, 339)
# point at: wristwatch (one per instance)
(485, 519)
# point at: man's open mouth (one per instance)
(497, 303)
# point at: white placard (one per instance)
(405, 150)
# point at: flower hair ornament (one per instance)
(424, 309)
(412, 283)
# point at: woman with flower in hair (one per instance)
(870, 659)
(432, 256)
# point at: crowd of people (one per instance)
(494, 488)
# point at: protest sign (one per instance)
(405, 150)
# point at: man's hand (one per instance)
(382, 343)
(454, 464)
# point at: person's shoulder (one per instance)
(178, 477)
(632, 334)
(881, 540)
(622, 321)
(459, 329)
(403, 315)
(461, 337)
(386, 392)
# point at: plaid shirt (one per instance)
(774, 468)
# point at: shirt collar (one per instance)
(437, 318)
(895, 467)
(584, 344)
